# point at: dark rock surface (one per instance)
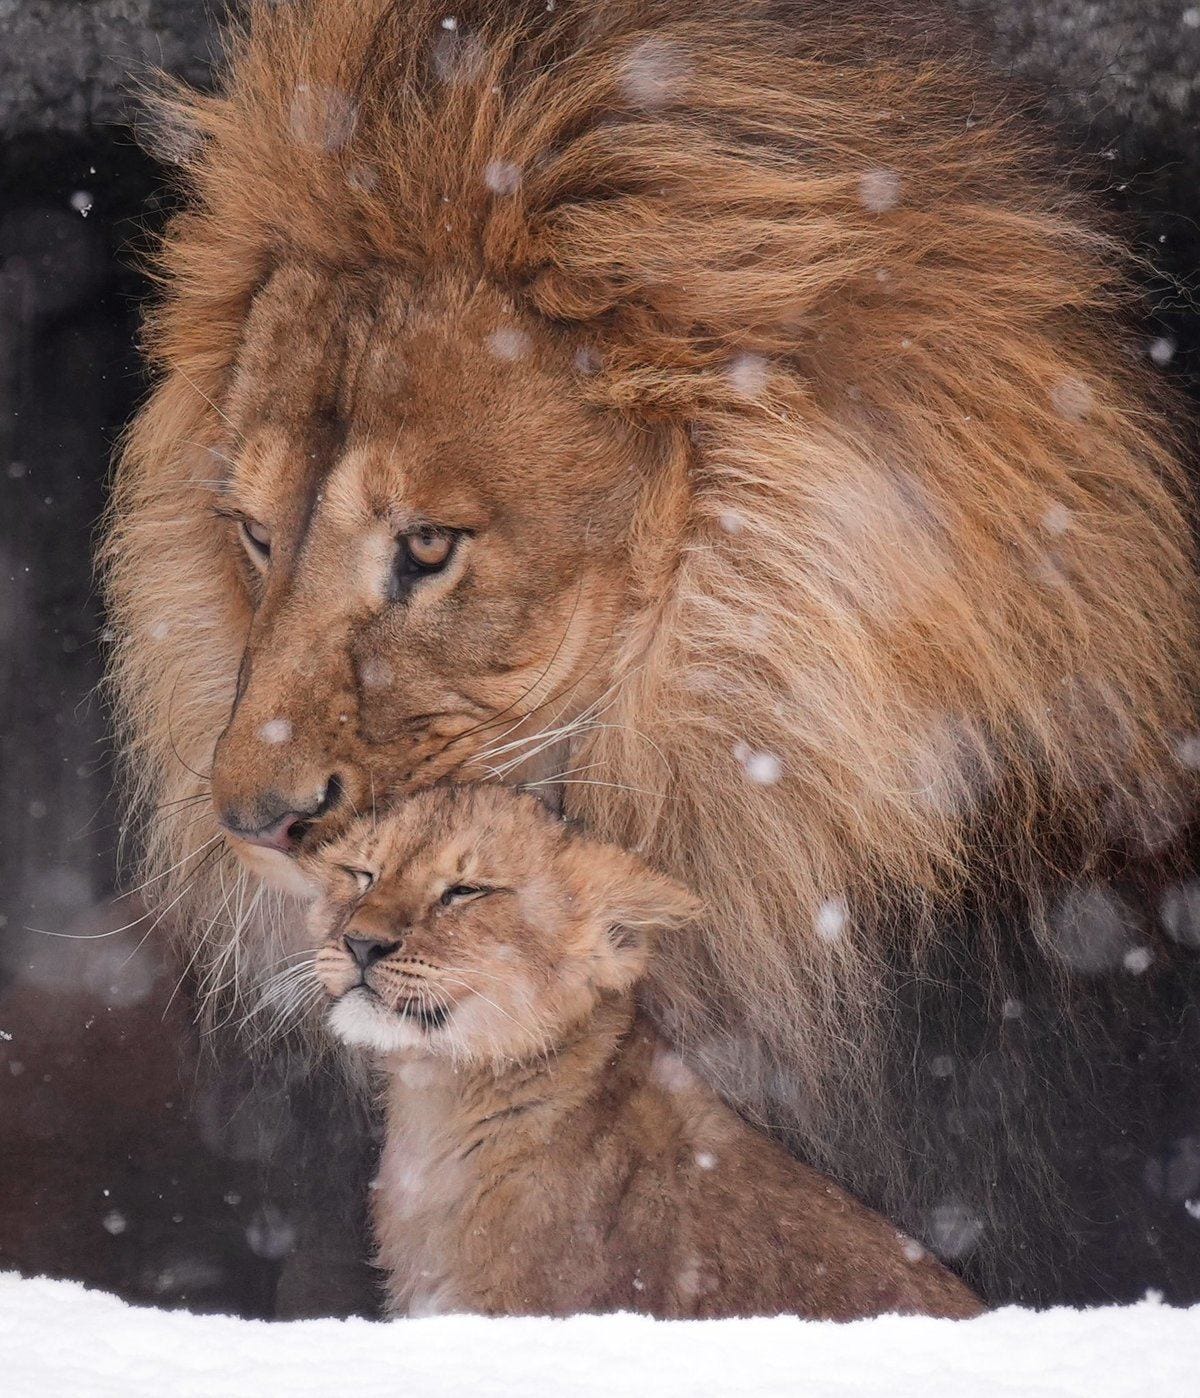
(69, 65)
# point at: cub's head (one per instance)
(470, 922)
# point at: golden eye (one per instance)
(429, 549)
(420, 555)
(256, 539)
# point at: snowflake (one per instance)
(747, 374)
(650, 72)
(1057, 519)
(830, 920)
(879, 190)
(1138, 959)
(1072, 399)
(764, 768)
(508, 343)
(277, 730)
(502, 176)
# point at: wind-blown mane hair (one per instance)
(920, 620)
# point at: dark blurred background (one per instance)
(124, 1159)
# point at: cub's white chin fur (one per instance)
(359, 1019)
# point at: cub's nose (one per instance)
(278, 822)
(366, 951)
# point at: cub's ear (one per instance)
(630, 902)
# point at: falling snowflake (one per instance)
(1072, 399)
(502, 176)
(277, 730)
(1092, 929)
(1138, 960)
(830, 920)
(764, 768)
(671, 1072)
(879, 190)
(270, 1235)
(912, 1250)
(954, 1229)
(1187, 751)
(115, 1222)
(705, 1160)
(1057, 519)
(508, 343)
(651, 72)
(1162, 351)
(747, 374)
(1179, 913)
(587, 360)
(321, 117)
(375, 673)
(731, 522)
(81, 202)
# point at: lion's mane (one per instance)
(920, 616)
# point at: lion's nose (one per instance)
(278, 822)
(366, 951)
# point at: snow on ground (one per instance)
(57, 1338)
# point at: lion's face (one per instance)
(431, 530)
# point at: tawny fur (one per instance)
(902, 529)
(545, 1151)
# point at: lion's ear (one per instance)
(630, 903)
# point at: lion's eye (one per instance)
(421, 554)
(362, 877)
(429, 548)
(256, 539)
(462, 893)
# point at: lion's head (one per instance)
(729, 424)
(428, 529)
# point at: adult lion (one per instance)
(720, 414)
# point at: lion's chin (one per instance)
(276, 870)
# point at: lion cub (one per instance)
(546, 1152)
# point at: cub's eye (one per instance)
(256, 539)
(362, 877)
(462, 893)
(421, 554)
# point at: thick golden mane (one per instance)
(920, 618)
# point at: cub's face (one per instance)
(470, 923)
(429, 529)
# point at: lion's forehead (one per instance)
(448, 405)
